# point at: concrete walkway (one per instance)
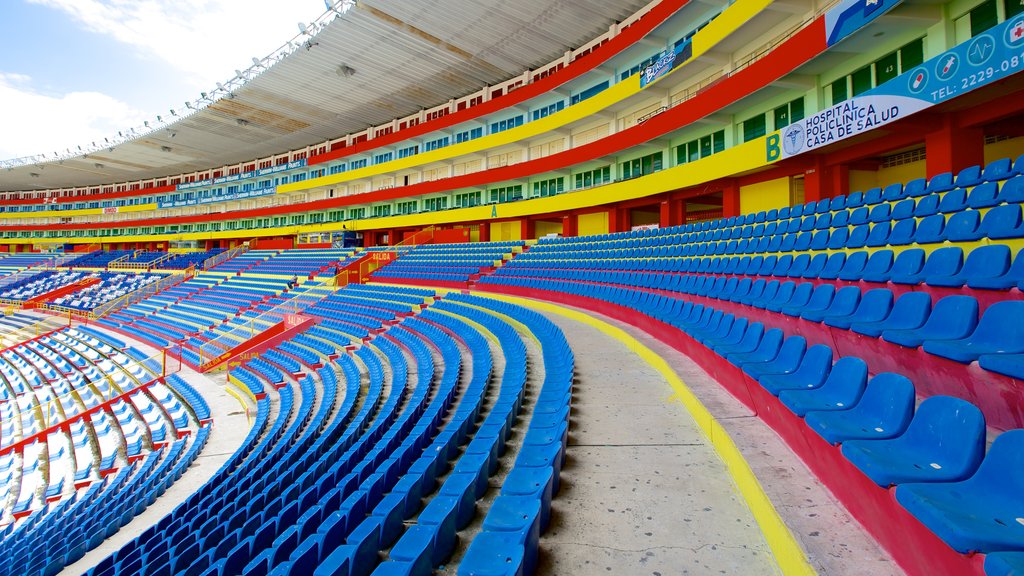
(642, 492)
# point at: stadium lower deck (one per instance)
(690, 400)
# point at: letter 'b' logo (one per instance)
(772, 148)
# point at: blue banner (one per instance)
(269, 191)
(243, 176)
(851, 15)
(980, 61)
(667, 61)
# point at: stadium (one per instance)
(567, 287)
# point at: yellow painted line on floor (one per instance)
(787, 552)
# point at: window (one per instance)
(406, 207)
(754, 127)
(434, 204)
(912, 54)
(839, 91)
(789, 113)
(406, 152)
(382, 158)
(548, 110)
(1013, 7)
(507, 193)
(467, 200)
(354, 213)
(356, 164)
(642, 166)
(550, 187)
(337, 168)
(382, 210)
(469, 135)
(593, 177)
(435, 144)
(983, 17)
(887, 67)
(503, 125)
(589, 92)
(861, 80)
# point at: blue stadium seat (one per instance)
(493, 554)
(879, 235)
(819, 299)
(909, 312)
(1004, 564)
(1000, 331)
(970, 176)
(963, 226)
(980, 513)
(771, 351)
(841, 390)
(878, 266)
(860, 216)
(1011, 365)
(927, 206)
(1012, 191)
(903, 232)
(916, 187)
(873, 307)
(880, 213)
(1002, 222)
(810, 372)
(853, 268)
(873, 196)
(1000, 169)
(953, 201)
(997, 277)
(1018, 165)
(893, 192)
(985, 261)
(931, 229)
(883, 411)
(940, 182)
(832, 267)
(858, 236)
(903, 209)
(944, 442)
(983, 196)
(854, 200)
(952, 318)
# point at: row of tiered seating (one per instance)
(187, 259)
(304, 262)
(40, 283)
(144, 257)
(87, 368)
(14, 262)
(244, 261)
(448, 262)
(97, 258)
(776, 317)
(111, 287)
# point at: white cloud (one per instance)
(206, 40)
(45, 123)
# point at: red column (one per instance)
(673, 213)
(485, 231)
(731, 200)
(526, 229)
(618, 220)
(952, 148)
(818, 180)
(570, 225)
(840, 180)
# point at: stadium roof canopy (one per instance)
(375, 61)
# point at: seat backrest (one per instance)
(823, 222)
(889, 400)
(859, 236)
(1001, 326)
(1000, 470)
(880, 213)
(1012, 190)
(833, 266)
(903, 209)
(815, 364)
(785, 291)
(854, 199)
(802, 294)
(853, 268)
(840, 218)
(800, 263)
(876, 303)
(1002, 222)
(941, 182)
(846, 300)
(944, 261)
(838, 202)
(910, 310)
(824, 205)
(987, 261)
(949, 428)
(970, 176)
(963, 226)
(816, 265)
(983, 195)
(873, 196)
(771, 342)
(916, 187)
(879, 262)
(879, 235)
(931, 229)
(859, 215)
(893, 192)
(927, 206)
(782, 266)
(848, 372)
(903, 232)
(998, 170)
(753, 334)
(791, 353)
(953, 316)
(953, 201)
(821, 297)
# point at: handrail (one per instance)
(218, 258)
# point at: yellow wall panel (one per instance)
(591, 224)
(764, 196)
(902, 173)
(1011, 149)
(542, 228)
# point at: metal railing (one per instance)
(217, 259)
(138, 295)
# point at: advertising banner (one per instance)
(982, 60)
(668, 60)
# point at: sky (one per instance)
(76, 71)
